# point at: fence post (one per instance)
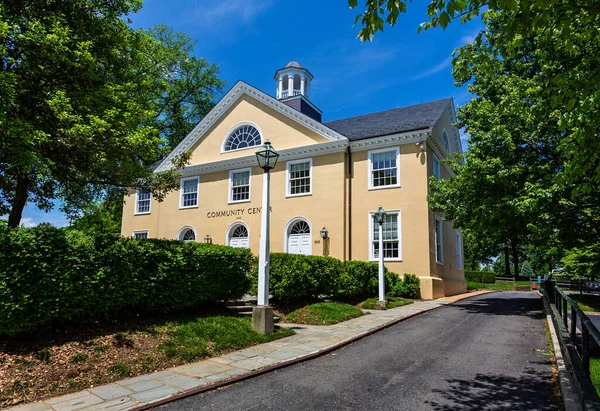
(564, 312)
(573, 325)
(585, 345)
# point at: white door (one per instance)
(299, 239)
(239, 237)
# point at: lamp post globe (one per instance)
(262, 314)
(380, 215)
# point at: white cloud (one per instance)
(28, 222)
(435, 69)
(469, 37)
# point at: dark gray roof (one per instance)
(397, 120)
(293, 64)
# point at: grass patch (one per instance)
(499, 286)
(206, 336)
(390, 302)
(587, 302)
(324, 314)
(595, 373)
(77, 358)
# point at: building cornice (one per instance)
(295, 153)
(233, 95)
(391, 140)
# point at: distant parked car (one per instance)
(591, 286)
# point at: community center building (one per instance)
(330, 179)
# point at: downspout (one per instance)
(349, 203)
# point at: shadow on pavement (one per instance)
(530, 392)
(530, 307)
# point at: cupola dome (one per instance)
(293, 80)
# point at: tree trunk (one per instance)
(515, 254)
(506, 261)
(16, 212)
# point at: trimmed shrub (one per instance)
(487, 277)
(50, 275)
(411, 286)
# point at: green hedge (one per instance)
(477, 276)
(295, 276)
(50, 275)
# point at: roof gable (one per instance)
(234, 95)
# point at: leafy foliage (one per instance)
(480, 276)
(583, 262)
(51, 275)
(87, 102)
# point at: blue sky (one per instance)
(251, 39)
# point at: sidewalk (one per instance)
(309, 341)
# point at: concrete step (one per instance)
(239, 308)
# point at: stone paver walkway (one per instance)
(151, 388)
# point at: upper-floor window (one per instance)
(140, 235)
(392, 249)
(384, 169)
(439, 241)
(244, 136)
(436, 167)
(446, 141)
(459, 258)
(142, 202)
(299, 177)
(189, 192)
(239, 185)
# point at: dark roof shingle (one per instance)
(397, 120)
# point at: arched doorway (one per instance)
(298, 237)
(187, 234)
(238, 236)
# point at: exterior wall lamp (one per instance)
(262, 314)
(380, 215)
(324, 233)
(208, 239)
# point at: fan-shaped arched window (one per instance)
(445, 140)
(240, 232)
(243, 136)
(187, 234)
(238, 236)
(301, 227)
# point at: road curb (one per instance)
(287, 363)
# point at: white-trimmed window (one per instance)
(187, 234)
(384, 168)
(392, 237)
(459, 257)
(189, 192)
(445, 140)
(244, 135)
(140, 235)
(299, 177)
(439, 240)
(239, 185)
(143, 201)
(437, 167)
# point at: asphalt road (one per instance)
(478, 354)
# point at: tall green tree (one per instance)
(87, 103)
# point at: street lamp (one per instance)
(208, 239)
(324, 233)
(262, 314)
(380, 219)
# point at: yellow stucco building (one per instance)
(330, 176)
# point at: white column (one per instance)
(264, 250)
(290, 85)
(307, 89)
(280, 87)
(381, 275)
(302, 80)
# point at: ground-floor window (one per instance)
(140, 235)
(187, 234)
(439, 240)
(238, 236)
(298, 235)
(392, 246)
(459, 258)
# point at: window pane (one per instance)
(385, 170)
(299, 176)
(189, 193)
(240, 186)
(391, 243)
(143, 204)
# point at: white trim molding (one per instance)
(183, 229)
(181, 193)
(396, 149)
(238, 91)
(230, 191)
(371, 240)
(287, 177)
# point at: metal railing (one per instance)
(286, 93)
(564, 304)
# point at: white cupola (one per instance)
(293, 80)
